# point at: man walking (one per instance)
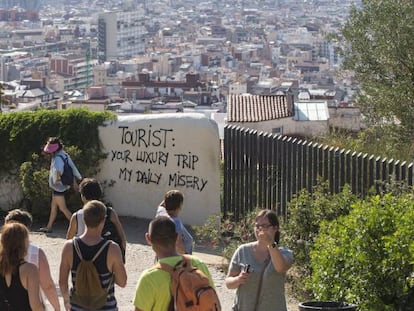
(153, 291)
(108, 263)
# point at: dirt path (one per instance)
(139, 256)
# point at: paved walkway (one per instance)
(139, 256)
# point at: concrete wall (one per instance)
(151, 154)
(290, 126)
(348, 118)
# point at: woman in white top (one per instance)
(37, 256)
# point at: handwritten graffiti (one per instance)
(144, 177)
(145, 137)
(186, 181)
(125, 174)
(148, 177)
(186, 160)
(121, 155)
(153, 157)
(153, 148)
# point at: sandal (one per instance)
(45, 230)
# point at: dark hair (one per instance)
(272, 218)
(22, 217)
(162, 231)
(93, 213)
(90, 189)
(173, 200)
(55, 140)
(13, 249)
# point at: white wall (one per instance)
(151, 154)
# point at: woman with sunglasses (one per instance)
(258, 269)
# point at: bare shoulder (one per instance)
(113, 247)
(42, 255)
(67, 248)
(28, 269)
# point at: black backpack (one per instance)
(109, 231)
(67, 175)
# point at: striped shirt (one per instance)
(104, 274)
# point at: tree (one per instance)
(377, 46)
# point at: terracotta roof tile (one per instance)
(256, 108)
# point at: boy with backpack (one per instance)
(184, 275)
(90, 189)
(95, 265)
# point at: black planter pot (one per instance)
(326, 305)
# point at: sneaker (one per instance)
(45, 230)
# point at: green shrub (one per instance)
(22, 136)
(367, 257)
(226, 234)
(306, 211)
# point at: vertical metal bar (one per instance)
(315, 164)
(331, 172)
(261, 170)
(342, 179)
(348, 167)
(371, 172)
(359, 172)
(294, 167)
(284, 173)
(354, 172)
(288, 173)
(311, 163)
(410, 174)
(227, 170)
(337, 171)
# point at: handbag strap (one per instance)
(259, 287)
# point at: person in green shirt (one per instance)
(153, 288)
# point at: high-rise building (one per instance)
(120, 35)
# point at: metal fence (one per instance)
(266, 170)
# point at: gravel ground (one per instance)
(139, 256)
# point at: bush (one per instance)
(226, 234)
(22, 136)
(367, 257)
(306, 211)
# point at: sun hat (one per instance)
(51, 147)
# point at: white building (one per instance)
(120, 35)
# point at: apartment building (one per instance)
(71, 71)
(120, 35)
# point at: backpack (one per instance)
(67, 175)
(190, 288)
(109, 231)
(88, 292)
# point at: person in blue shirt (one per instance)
(172, 206)
(54, 147)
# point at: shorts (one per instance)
(58, 193)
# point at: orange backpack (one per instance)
(190, 288)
